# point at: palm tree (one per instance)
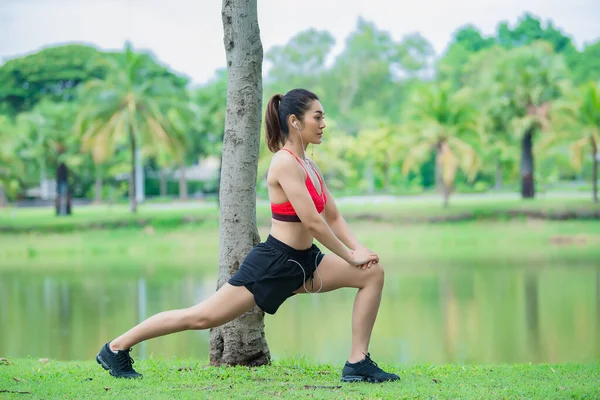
(181, 120)
(515, 88)
(447, 123)
(11, 165)
(498, 142)
(386, 148)
(45, 139)
(127, 108)
(529, 78)
(577, 120)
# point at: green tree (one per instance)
(466, 42)
(46, 141)
(529, 79)
(446, 122)
(515, 88)
(11, 165)
(529, 30)
(300, 62)
(499, 146)
(52, 74)
(367, 80)
(585, 66)
(128, 108)
(576, 119)
(206, 136)
(385, 150)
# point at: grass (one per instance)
(195, 248)
(296, 379)
(401, 210)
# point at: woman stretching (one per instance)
(287, 262)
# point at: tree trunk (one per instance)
(219, 179)
(369, 177)
(595, 171)
(387, 179)
(140, 191)
(163, 182)
(98, 186)
(183, 191)
(446, 193)
(439, 184)
(241, 341)
(3, 198)
(498, 183)
(132, 199)
(527, 184)
(63, 196)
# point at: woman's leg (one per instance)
(337, 273)
(226, 304)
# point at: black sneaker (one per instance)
(366, 371)
(118, 364)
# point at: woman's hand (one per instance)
(363, 257)
(370, 263)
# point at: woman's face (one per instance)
(313, 123)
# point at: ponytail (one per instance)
(279, 108)
(272, 126)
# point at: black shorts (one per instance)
(273, 270)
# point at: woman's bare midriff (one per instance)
(294, 234)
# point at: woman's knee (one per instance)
(197, 320)
(377, 275)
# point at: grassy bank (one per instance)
(399, 210)
(195, 248)
(294, 379)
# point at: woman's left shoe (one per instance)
(366, 370)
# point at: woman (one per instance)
(302, 210)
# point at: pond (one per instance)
(430, 313)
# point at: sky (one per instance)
(187, 35)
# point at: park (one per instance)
(126, 190)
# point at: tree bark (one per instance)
(594, 170)
(498, 182)
(369, 177)
(445, 171)
(3, 198)
(241, 341)
(132, 200)
(527, 163)
(98, 186)
(163, 182)
(63, 196)
(387, 179)
(439, 183)
(446, 193)
(183, 190)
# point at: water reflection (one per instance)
(531, 314)
(438, 314)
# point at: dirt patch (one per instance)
(573, 240)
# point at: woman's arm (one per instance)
(291, 177)
(338, 224)
(335, 220)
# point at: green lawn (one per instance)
(401, 210)
(295, 379)
(192, 247)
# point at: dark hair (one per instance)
(279, 108)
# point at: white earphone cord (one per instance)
(304, 274)
(301, 141)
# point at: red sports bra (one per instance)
(285, 211)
